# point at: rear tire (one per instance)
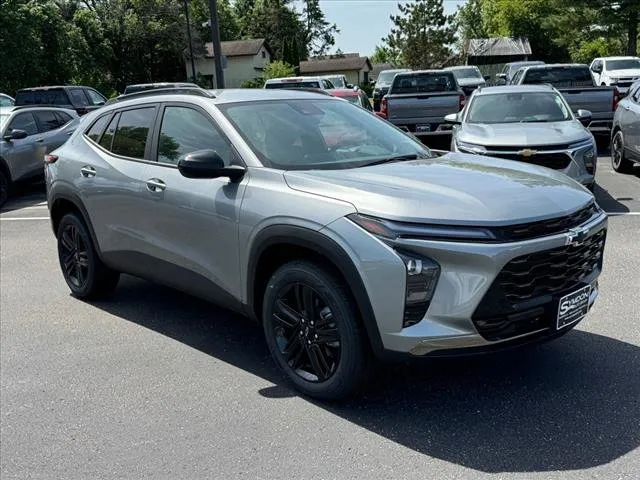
(4, 188)
(86, 275)
(314, 333)
(619, 162)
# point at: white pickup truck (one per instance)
(620, 72)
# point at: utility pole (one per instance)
(193, 64)
(217, 50)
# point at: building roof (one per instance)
(497, 47)
(238, 48)
(350, 61)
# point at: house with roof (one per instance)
(351, 65)
(490, 54)
(242, 60)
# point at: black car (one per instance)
(78, 98)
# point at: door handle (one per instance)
(39, 140)
(156, 185)
(88, 171)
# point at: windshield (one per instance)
(470, 72)
(318, 134)
(518, 107)
(623, 64)
(386, 77)
(5, 101)
(300, 84)
(560, 76)
(424, 82)
(337, 81)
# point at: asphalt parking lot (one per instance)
(156, 384)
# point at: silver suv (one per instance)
(27, 134)
(343, 236)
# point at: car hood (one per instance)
(471, 82)
(629, 72)
(453, 189)
(521, 134)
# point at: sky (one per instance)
(363, 23)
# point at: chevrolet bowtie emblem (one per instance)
(575, 236)
(527, 152)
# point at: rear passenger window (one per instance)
(26, 122)
(107, 138)
(95, 132)
(185, 130)
(47, 120)
(95, 97)
(63, 118)
(78, 98)
(131, 136)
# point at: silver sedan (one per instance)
(625, 139)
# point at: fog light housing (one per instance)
(590, 157)
(421, 281)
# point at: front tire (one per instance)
(314, 332)
(84, 272)
(618, 160)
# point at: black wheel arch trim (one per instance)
(325, 246)
(64, 192)
(4, 167)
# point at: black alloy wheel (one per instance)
(314, 332)
(74, 257)
(618, 161)
(84, 272)
(306, 333)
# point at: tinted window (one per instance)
(78, 98)
(560, 76)
(471, 72)
(26, 122)
(94, 97)
(95, 132)
(423, 82)
(107, 138)
(131, 135)
(318, 134)
(47, 120)
(42, 97)
(518, 107)
(623, 64)
(185, 130)
(63, 118)
(5, 101)
(301, 84)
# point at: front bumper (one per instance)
(468, 271)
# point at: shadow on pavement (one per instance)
(25, 195)
(569, 404)
(608, 203)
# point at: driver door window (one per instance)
(185, 130)
(24, 121)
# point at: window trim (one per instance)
(158, 125)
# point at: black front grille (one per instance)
(543, 228)
(522, 298)
(556, 161)
(538, 148)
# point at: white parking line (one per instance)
(16, 219)
(617, 214)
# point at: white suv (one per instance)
(616, 71)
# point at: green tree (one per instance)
(275, 69)
(423, 33)
(384, 54)
(318, 35)
(470, 21)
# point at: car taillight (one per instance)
(384, 106)
(462, 101)
(616, 98)
(50, 158)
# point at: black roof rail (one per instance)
(197, 91)
(42, 105)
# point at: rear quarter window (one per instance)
(424, 83)
(96, 130)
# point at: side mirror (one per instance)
(349, 85)
(372, 81)
(452, 119)
(583, 116)
(486, 77)
(503, 76)
(208, 164)
(15, 135)
(597, 69)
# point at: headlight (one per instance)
(471, 148)
(392, 230)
